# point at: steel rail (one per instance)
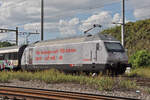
(145, 83)
(42, 94)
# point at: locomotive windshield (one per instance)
(114, 47)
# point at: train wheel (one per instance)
(108, 71)
(122, 70)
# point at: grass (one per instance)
(148, 90)
(5, 77)
(141, 72)
(127, 84)
(54, 76)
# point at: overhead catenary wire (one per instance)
(73, 12)
(63, 13)
(79, 8)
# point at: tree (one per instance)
(5, 44)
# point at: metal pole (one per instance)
(123, 22)
(27, 38)
(16, 35)
(42, 20)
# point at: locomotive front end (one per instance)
(117, 58)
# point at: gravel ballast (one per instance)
(136, 94)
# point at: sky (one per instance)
(64, 18)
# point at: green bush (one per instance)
(140, 58)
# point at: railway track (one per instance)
(142, 81)
(139, 80)
(21, 93)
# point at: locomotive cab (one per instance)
(117, 58)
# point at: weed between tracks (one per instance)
(141, 72)
(148, 90)
(53, 76)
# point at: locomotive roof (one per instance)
(76, 39)
(9, 49)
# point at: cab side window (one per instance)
(9, 56)
(6, 56)
(14, 56)
(1, 57)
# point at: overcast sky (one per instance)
(66, 17)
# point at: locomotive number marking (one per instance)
(60, 57)
(45, 54)
(86, 59)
